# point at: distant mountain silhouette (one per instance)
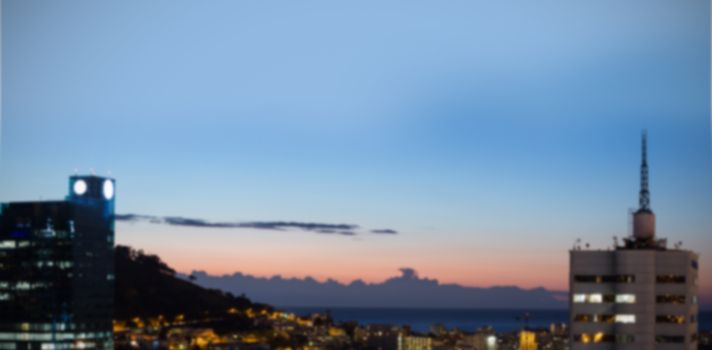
(407, 291)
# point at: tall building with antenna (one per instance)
(57, 269)
(638, 295)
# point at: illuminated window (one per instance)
(491, 341)
(625, 318)
(8, 244)
(595, 298)
(600, 337)
(625, 298)
(579, 298)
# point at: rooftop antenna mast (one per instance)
(644, 200)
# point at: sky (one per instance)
(488, 135)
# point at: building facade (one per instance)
(638, 295)
(56, 269)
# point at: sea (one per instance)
(464, 319)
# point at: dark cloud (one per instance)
(133, 217)
(385, 231)
(408, 273)
(337, 229)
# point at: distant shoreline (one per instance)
(421, 319)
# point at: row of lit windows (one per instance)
(628, 318)
(58, 326)
(604, 318)
(60, 264)
(597, 298)
(26, 326)
(664, 279)
(600, 337)
(23, 285)
(14, 244)
(78, 345)
(59, 336)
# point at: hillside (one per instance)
(146, 286)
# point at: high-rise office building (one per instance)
(56, 269)
(638, 295)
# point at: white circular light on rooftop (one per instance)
(108, 189)
(80, 187)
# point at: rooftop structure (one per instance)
(640, 295)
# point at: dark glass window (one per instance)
(694, 264)
(625, 339)
(604, 278)
(670, 299)
(585, 278)
(678, 319)
(583, 318)
(671, 279)
(662, 339)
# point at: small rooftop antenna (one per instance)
(631, 212)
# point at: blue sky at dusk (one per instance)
(490, 135)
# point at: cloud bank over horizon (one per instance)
(405, 290)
